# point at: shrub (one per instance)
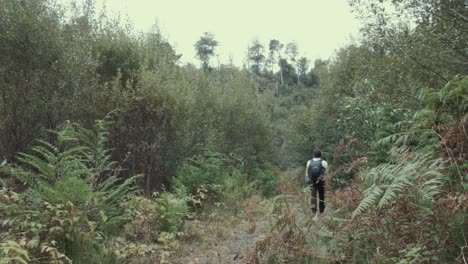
(171, 211)
(265, 182)
(11, 252)
(73, 193)
(402, 213)
(208, 170)
(235, 189)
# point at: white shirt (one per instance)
(324, 165)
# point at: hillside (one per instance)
(113, 151)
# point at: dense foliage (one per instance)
(176, 142)
(391, 116)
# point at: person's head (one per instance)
(317, 153)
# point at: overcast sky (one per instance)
(319, 27)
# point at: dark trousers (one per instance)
(320, 187)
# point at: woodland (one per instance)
(113, 151)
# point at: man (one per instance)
(314, 175)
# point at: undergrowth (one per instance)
(66, 201)
(407, 204)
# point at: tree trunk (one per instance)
(148, 175)
(281, 75)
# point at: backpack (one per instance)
(314, 170)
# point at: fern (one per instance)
(413, 174)
(430, 189)
(113, 196)
(47, 169)
(371, 196)
(78, 159)
(171, 211)
(97, 155)
(12, 252)
(103, 172)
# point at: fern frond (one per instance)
(45, 153)
(49, 145)
(12, 252)
(413, 174)
(86, 135)
(25, 176)
(430, 189)
(370, 198)
(107, 184)
(389, 195)
(113, 195)
(73, 151)
(281, 201)
(65, 136)
(392, 191)
(46, 170)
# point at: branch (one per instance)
(420, 64)
(462, 17)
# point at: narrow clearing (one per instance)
(230, 239)
(219, 243)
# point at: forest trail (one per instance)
(232, 239)
(219, 243)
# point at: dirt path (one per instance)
(218, 242)
(230, 239)
(222, 237)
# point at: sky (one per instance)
(319, 27)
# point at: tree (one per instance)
(428, 37)
(205, 48)
(44, 67)
(275, 48)
(289, 72)
(303, 66)
(255, 55)
(292, 52)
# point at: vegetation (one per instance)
(114, 152)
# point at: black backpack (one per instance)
(315, 170)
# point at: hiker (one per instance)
(314, 177)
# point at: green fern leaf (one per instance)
(370, 197)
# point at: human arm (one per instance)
(325, 165)
(306, 174)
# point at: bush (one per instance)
(208, 170)
(73, 193)
(171, 211)
(265, 182)
(403, 212)
(235, 189)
